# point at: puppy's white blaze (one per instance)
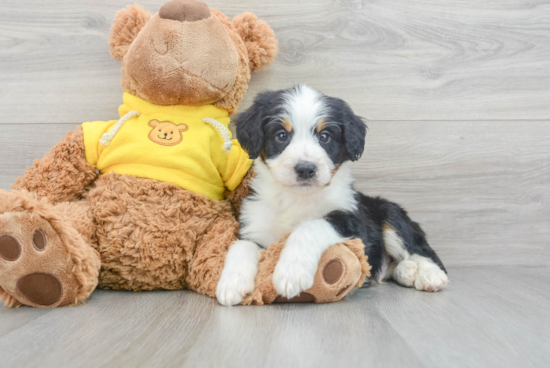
(273, 211)
(304, 108)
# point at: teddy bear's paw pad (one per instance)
(35, 266)
(333, 271)
(41, 288)
(39, 240)
(302, 298)
(338, 273)
(10, 249)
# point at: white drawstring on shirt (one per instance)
(107, 137)
(223, 131)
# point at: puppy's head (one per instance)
(301, 135)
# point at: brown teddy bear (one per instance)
(138, 203)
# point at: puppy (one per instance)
(306, 142)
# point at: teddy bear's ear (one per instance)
(259, 39)
(128, 23)
(153, 123)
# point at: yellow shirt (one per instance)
(170, 144)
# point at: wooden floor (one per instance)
(491, 317)
(456, 94)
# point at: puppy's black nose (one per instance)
(305, 170)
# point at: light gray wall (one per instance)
(457, 94)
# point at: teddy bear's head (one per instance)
(189, 54)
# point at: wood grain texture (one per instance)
(457, 96)
(392, 60)
(479, 189)
(501, 321)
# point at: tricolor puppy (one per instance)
(304, 143)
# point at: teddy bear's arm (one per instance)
(63, 174)
(235, 197)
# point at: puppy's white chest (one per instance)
(265, 222)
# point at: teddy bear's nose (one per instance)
(184, 10)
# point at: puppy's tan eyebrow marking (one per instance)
(287, 125)
(321, 125)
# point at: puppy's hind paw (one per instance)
(405, 273)
(431, 280)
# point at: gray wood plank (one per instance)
(486, 317)
(479, 189)
(488, 308)
(393, 60)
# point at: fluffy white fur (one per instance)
(412, 270)
(282, 204)
(241, 267)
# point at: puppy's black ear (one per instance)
(355, 131)
(251, 123)
(353, 127)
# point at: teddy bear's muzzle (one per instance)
(184, 10)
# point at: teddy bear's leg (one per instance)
(46, 253)
(342, 267)
(207, 265)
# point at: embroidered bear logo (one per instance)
(166, 133)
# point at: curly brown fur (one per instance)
(84, 258)
(358, 248)
(9, 301)
(63, 173)
(148, 230)
(207, 265)
(264, 292)
(127, 24)
(151, 235)
(259, 39)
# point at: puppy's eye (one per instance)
(324, 137)
(282, 136)
(171, 132)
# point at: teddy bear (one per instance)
(149, 201)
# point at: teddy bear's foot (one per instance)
(37, 268)
(338, 272)
(342, 267)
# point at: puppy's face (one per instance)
(301, 135)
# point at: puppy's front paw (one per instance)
(291, 278)
(234, 286)
(431, 280)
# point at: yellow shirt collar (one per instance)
(132, 103)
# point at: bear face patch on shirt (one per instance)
(166, 133)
